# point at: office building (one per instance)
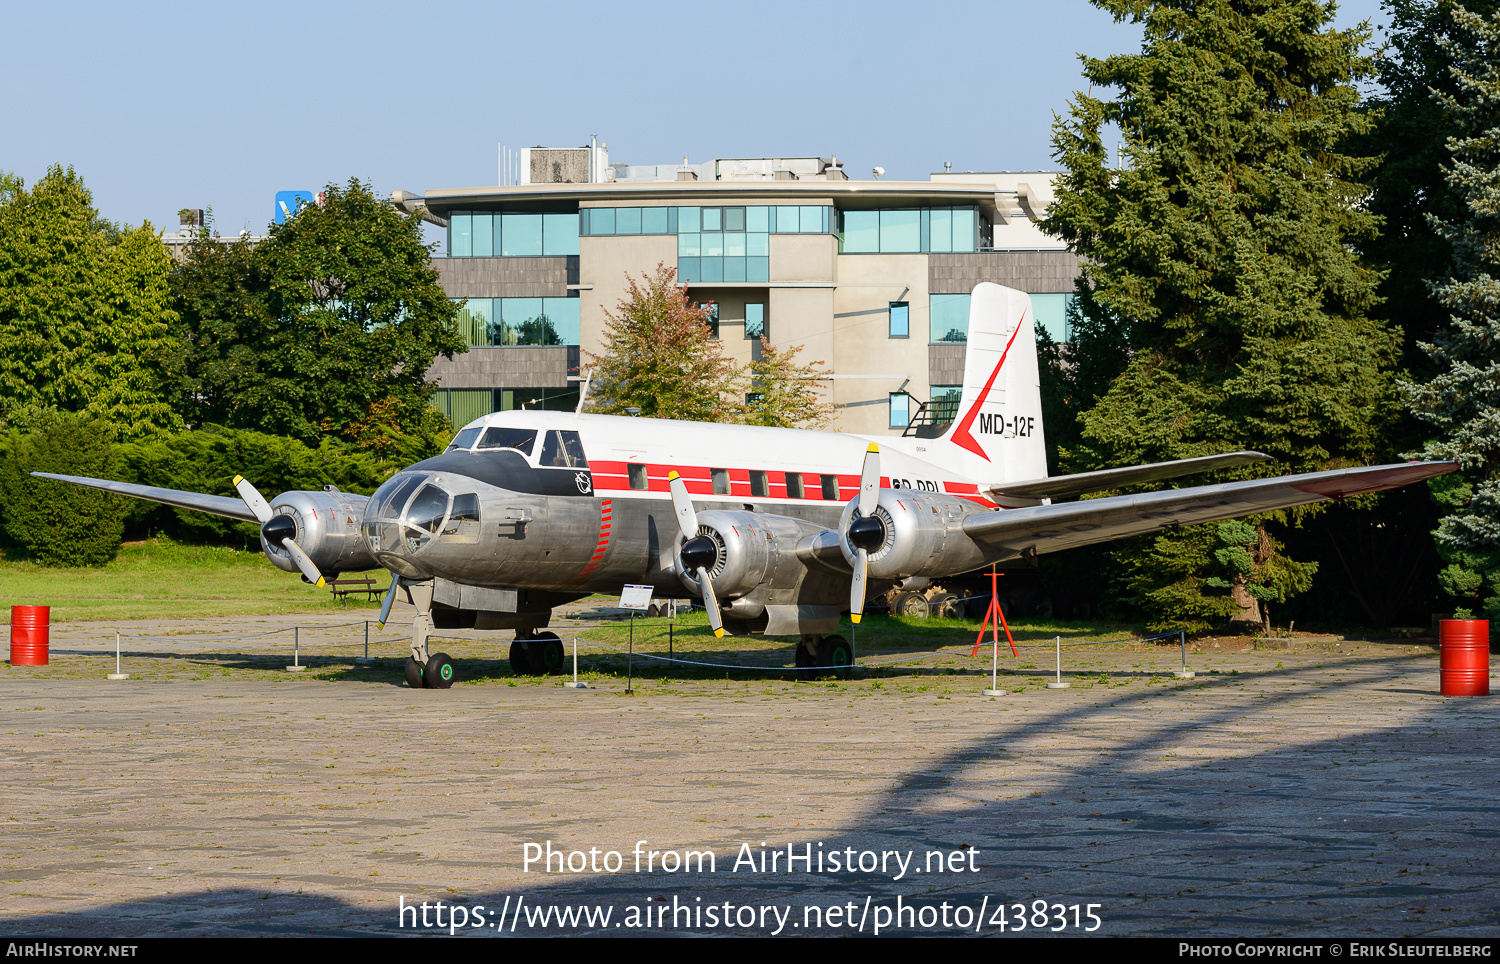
(871, 276)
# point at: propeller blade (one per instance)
(682, 504)
(869, 481)
(253, 499)
(857, 586)
(390, 599)
(303, 562)
(711, 603)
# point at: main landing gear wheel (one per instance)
(806, 663)
(414, 674)
(835, 657)
(520, 658)
(438, 673)
(547, 656)
(912, 604)
(945, 605)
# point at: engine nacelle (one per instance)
(753, 552)
(327, 530)
(924, 535)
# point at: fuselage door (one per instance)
(564, 450)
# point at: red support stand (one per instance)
(994, 619)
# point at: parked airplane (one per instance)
(777, 530)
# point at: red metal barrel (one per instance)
(28, 635)
(1465, 662)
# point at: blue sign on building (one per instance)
(287, 203)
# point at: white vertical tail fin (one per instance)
(997, 434)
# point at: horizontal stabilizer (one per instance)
(212, 504)
(1048, 528)
(1063, 486)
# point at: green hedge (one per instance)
(207, 461)
(51, 522)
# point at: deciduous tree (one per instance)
(661, 357)
(331, 321)
(784, 392)
(85, 321)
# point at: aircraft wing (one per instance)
(1048, 528)
(1062, 486)
(212, 504)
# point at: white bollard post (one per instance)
(296, 666)
(1184, 672)
(365, 662)
(575, 685)
(117, 674)
(995, 689)
(1058, 684)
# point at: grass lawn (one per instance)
(162, 579)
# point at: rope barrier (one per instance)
(861, 664)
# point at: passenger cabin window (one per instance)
(563, 450)
(463, 521)
(793, 485)
(523, 440)
(760, 487)
(831, 488)
(721, 481)
(638, 478)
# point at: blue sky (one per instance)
(161, 106)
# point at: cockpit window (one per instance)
(390, 502)
(499, 437)
(463, 521)
(563, 450)
(464, 439)
(428, 508)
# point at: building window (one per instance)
(714, 244)
(760, 486)
(793, 485)
(713, 318)
(721, 481)
(949, 316)
(909, 231)
(1050, 314)
(900, 407)
(831, 488)
(900, 319)
(519, 321)
(755, 321)
(464, 405)
(638, 476)
(484, 235)
(536, 399)
(944, 405)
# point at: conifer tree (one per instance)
(1463, 399)
(1220, 254)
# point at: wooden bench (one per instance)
(341, 588)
